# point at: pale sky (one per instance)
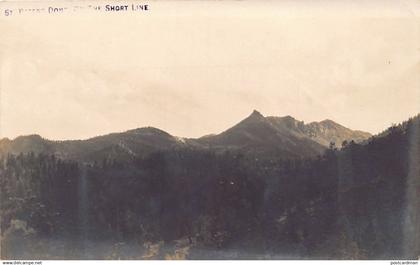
(194, 68)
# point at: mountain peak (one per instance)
(331, 124)
(289, 119)
(328, 121)
(33, 137)
(255, 117)
(256, 113)
(147, 131)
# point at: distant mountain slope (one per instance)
(323, 132)
(258, 133)
(328, 131)
(286, 134)
(123, 145)
(283, 136)
(24, 144)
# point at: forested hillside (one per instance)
(358, 202)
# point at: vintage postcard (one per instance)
(210, 130)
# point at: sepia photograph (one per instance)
(210, 130)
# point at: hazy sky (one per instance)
(194, 68)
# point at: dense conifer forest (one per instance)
(360, 201)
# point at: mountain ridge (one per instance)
(284, 135)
